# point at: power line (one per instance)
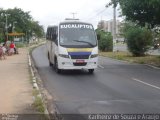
(96, 14)
(102, 11)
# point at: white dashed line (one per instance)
(153, 67)
(100, 66)
(146, 83)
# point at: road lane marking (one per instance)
(153, 67)
(100, 66)
(146, 83)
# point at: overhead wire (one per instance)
(97, 14)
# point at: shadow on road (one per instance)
(74, 72)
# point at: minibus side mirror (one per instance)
(98, 37)
(54, 37)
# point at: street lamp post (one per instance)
(6, 26)
(13, 26)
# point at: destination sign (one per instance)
(76, 26)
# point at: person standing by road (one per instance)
(11, 48)
(2, 52)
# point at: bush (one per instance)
(105, 43)
(1, 38)
(20, 45)
(139, 40)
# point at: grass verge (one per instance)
(126, 56)
(38, 104)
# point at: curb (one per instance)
(52, 113)
(35, 85)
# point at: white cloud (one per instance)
(51, 11)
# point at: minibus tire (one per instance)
(50, 64)
(91, 71)
(56, 67)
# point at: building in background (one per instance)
(102, 25)
(107, 26)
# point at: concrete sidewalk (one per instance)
(15, 86)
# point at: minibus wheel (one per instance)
(56, 67)
(50, 64)
(91, 71)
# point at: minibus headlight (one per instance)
(94, 55)
(64, 56)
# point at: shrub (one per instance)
(105, 43)
(139, 40)
(1, 38)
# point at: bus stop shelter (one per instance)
(16, 35)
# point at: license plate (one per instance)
(80, 61)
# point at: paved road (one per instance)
(115, 87)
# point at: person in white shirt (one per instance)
(2, 52)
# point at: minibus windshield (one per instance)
(77, 35)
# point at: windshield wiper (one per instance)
(84, 42)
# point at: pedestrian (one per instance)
(1, 52)
(7, 47)
(12, 48)
(4, 50)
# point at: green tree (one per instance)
(144, 12)
(2, 32)
(22, 21)
(37, 29)
(105, 42)
(138, 39)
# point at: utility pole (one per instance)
(6, 26)
(114, 27)
(73, 15)
(114, 3)
(13, 27)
